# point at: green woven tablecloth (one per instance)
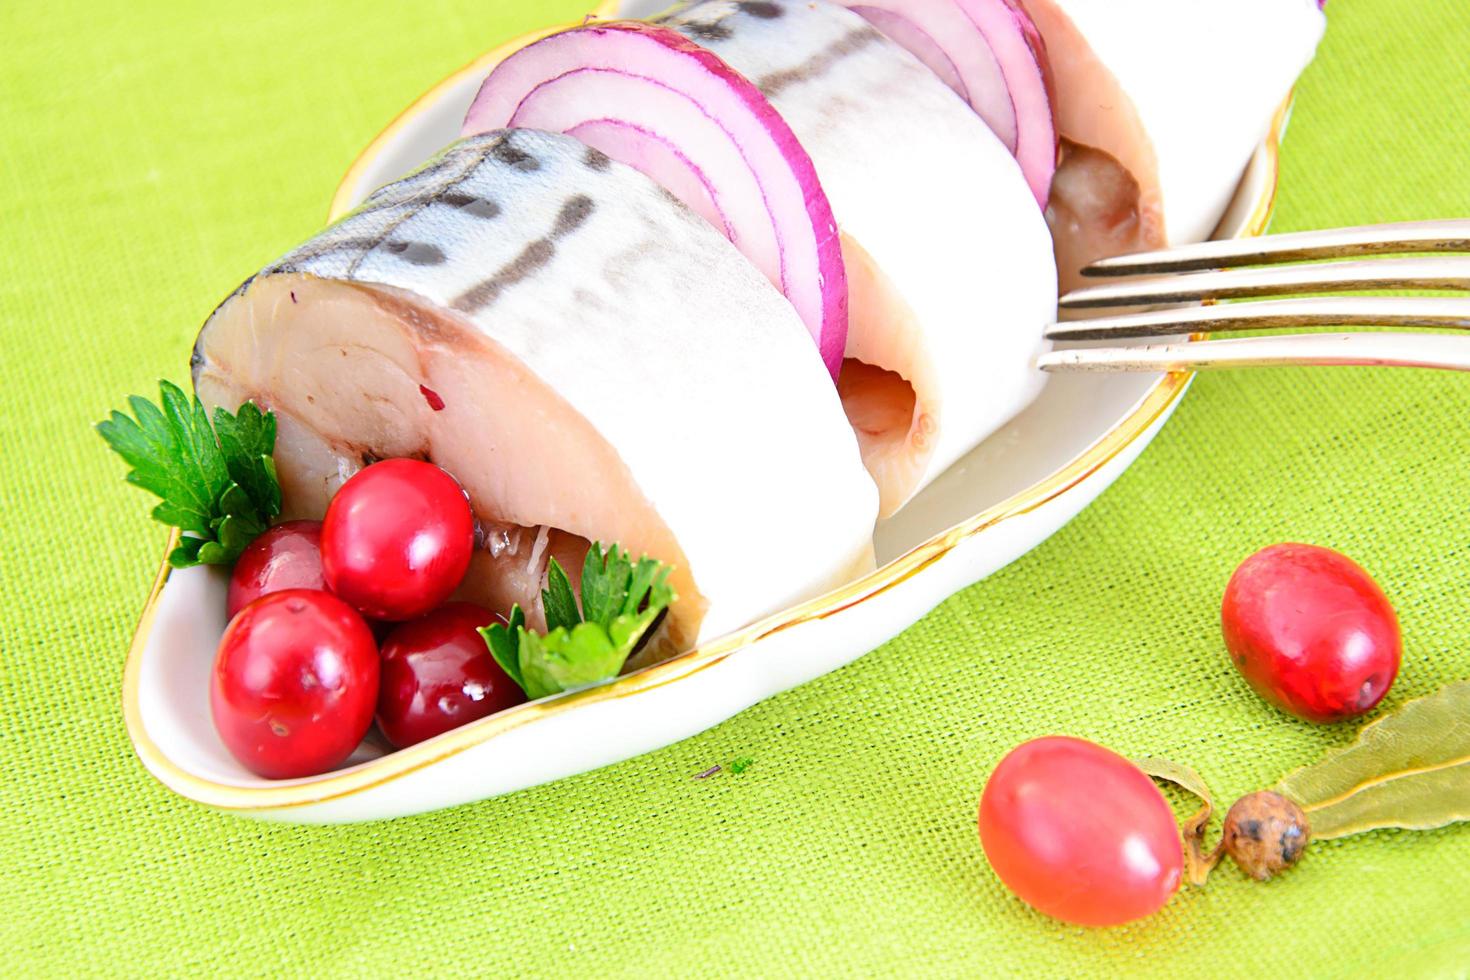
(152, 154)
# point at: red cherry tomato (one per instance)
(294, 683)
(1080, 833)
(397, 539)
(1311, 632)
(438, 674)
(288, 556)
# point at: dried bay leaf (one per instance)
(1178, 774)
(1197, 862)
(1409, 769)
(1432, 798)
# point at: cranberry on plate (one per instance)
(397, 539)
(438, 674)
(288, 556)
(294, 683)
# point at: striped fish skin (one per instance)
(949, 260)
(583, 353)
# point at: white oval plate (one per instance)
(1003, 499)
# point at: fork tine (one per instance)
(1447, 351)
(1335, 311)
(1440, 272)
(1409, 237)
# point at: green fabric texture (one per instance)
(153, 154)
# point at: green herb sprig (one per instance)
(216, 483)
(621, 599)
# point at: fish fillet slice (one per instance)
(587, 356)
(1161, 103)
(949, 263)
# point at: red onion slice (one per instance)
(943, 37)
(1018, 47)
(993, 57)
(652, 99)
(976, 69)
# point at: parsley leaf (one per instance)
(216, 483)
(621, 600)
(247, 440)
(558, 601)
(503, 644)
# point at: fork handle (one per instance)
(1443, 351)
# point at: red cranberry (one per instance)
(397, 539)
(438, 674)
(294, 683)
(288, 556)
(1311, 632)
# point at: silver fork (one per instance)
(1272, 266)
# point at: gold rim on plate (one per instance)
(288, 794)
